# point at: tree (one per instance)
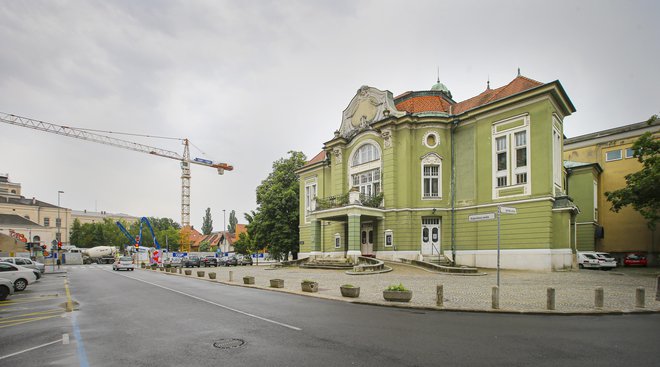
(232, 222)
(642, 190)
(275, 222)
(204, 246)
(207, 225)
(76, 233)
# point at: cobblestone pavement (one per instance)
(520, 291)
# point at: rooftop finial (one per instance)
(518, 71)
(438, 75)
(488, 83)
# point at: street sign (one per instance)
(179, 254)
(507, 210)
(480, 217)
(53, 242)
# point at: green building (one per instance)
(422, 176)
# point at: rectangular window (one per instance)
(46, 222)
(521, 178)
(630, 153)
(521, 148)
(595, 201)
(613, 155)
(310, 198)
(557, 166)
(501, 153)
(431, 180)
(501, 181)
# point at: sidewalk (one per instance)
(520, 291)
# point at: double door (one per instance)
(430, 236)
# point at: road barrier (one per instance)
(640, 296)
(439, 290)
(496, 298)
(551, 298)
(599, 298)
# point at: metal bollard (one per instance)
(496, 298)
(551, 299)
(231, 275)
(599, 299)
(640, 297)
(439, 294)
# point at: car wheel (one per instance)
(4, 292)
(20, 285)
(581, 266)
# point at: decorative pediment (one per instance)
(368, 106)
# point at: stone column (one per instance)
(316, 238)
(354, 236)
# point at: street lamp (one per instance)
(58, 223)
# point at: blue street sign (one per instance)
(179, 254)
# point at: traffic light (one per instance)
(137, 245)
(59, 245)
(28, 246)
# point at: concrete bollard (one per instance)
(551, 298)
(231, 275)
(599, 299)
(496, 298)
(439, 294)
(640, 297)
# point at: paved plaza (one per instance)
(520, 291)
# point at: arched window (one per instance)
(364, 154)
(365, 169)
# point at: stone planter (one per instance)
(248, 280)
(277, 283)
(211, 275)
(200, 274)
(397, 296)
(188, 272)
(352, 292)
(161, 269)
(309, 286)
(142, 265)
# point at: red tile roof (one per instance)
(424, 104)
(317, 158)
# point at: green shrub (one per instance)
(398, 288)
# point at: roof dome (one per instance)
(442, 88)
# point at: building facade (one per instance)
(422, 175)
(607, 157)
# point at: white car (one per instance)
(124, 262)
(588, 260)
(18, 275)
(607, 261)
(6, 288)
(24, 261)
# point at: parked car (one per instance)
(231, 261)
(174, 262)
(223, 261)
(608, 262)
(588, 260)
(20, 276)
(209, 261)
(245, 260)
(635, 259)
(124, 262)
(191, 261)
(24, 261)
(6, 288)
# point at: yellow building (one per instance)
(625, 231)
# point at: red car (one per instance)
(635, 259)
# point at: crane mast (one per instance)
(83, 134)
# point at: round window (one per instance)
(431, 139)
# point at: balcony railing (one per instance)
(339, 201)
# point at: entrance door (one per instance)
(367, 239)
(430, 236)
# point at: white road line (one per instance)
(213, 303)
(29, 349)
(65, 339)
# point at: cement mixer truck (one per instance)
(99, 255)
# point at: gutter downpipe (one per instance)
(574, 263)
(453, 194)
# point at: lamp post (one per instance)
(58, 224)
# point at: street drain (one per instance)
(229, 343)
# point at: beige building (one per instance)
(611, 151)
(86, 216)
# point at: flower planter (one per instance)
(277, 283)
(161, 269)
(352, 292)
(188, 272)
(248, 280)
(397, 296)
(211, 275)
(309, 286)
(200, 274)
(142, 266)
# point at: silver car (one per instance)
(124, 262)
(24, 261)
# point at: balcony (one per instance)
(347, 199)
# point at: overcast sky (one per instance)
(247, 81)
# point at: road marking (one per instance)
(11, 323)
(65, 339)
(52, 310)
(29, 349)
(82, 355)
(213, 303)
(69, 304)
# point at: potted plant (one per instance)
(154, 266)
(211, 275)
(248, 279)
(349, 290)
(277, 283)
(200, 274)
(309, 286)
(188, 272)
(142, 265)
(397, 293)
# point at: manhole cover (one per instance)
(229, 343)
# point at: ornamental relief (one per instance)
(387, 138)
(431, 158)
(337, 153)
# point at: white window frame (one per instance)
(311, 191)
(509, 174)
(46, 221)
(595, 201)
(607, 159)
(557, 164)
(431, 160)
(632, 153)
(366, 168)
(338, 243)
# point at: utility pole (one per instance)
(58, 224)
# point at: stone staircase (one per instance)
(336, 263)
(437, 260)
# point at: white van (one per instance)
(588, 260)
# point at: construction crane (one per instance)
(89, 135)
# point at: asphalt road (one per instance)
(151, 319)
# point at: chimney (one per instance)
(34, 201)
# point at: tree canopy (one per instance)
(232, 222)
(642, 190)
(107, 233)
(275, 222)
(207, 225)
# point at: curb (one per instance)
(429, 308)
